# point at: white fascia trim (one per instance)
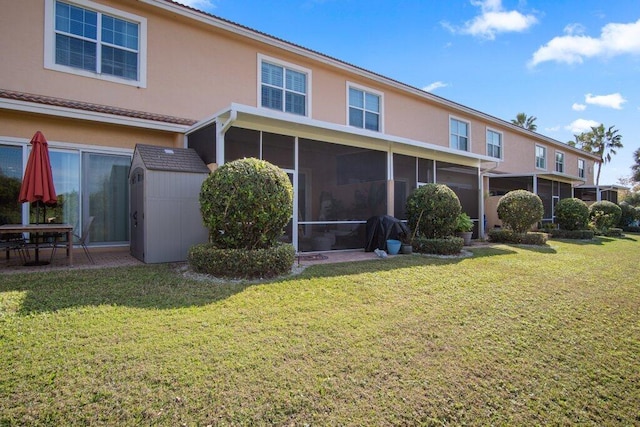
(269, 40)
(545, 175)
(604, 187)
(306, 121)
(53, 110)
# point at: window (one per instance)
(541, 157)
(581, 167)
(559, 161)
(459, 137)
(364, 109)
(494, 144)
(283, 88)
(97, 41)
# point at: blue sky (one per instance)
(570, 63)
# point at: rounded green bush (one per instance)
(245, 204)
(572, 214)
(519, 210)
(604, 215)
(432, 210)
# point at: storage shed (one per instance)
(165, 209)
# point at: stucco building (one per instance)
(98, 77)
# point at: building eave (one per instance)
(93, 116)
(297, 122)
(573, 179)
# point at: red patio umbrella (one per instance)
(37, 184)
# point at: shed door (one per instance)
(137, 213)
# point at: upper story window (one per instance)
(581, 168)
(93, 40)
(459, 134)
(284, 87)
(559, 161)
(365, 108)
(541, 157)
(494, 144)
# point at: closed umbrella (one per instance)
(37, 184)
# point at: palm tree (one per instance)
(604, 143)
(525, 122)
(636, 167)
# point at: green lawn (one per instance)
(514, 335)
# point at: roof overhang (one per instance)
(93, 116)
(613, 187)
(287, 124)
(575, 181)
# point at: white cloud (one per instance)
(578, 107)
(553, 129)
(572, 48)
(615, 100)
(206, 5)
(493, 20)
(574, 29)
(581, 125)
(435, 85)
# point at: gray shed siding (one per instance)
(172, 215)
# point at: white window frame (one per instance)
(555, 161)
(374, 92)
(535, 152)
(264, 58)
(582, 172)
(468, 150)
(50, 42)
(501, 143)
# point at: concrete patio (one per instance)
(120, 257)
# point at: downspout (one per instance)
(224, 127)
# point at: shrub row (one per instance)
(632, 229)
(614, 232)
(509, 236)
(572, 234)
(446, 246)
(242, 263)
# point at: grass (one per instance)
(514, 335)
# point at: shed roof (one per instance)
(170, 159)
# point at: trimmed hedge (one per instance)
(614, 232)
(572, 214)
(246, 204)
(632, 229)
(432, 210)
(509, 236)
(446, 246)
(519, 210)
(572, 234)
(242, 263)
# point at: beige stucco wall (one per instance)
(59, 129)
(194, 70)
